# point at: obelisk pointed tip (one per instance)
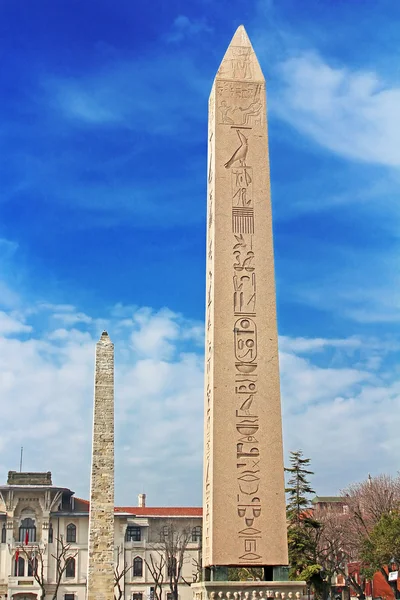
(241, 38)
(105, 338)
(240, 61)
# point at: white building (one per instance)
(37, 519)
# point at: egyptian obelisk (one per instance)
(244, 500)
(100, 581)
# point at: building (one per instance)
(331, 503)
(46, 525)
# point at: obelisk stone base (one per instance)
(249, 590)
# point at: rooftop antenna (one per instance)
(20, 460)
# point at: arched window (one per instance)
(71, 533)
(19, 567)
(27, 530)
(196, 534)
(3, 534)
(70, 567)
(137, 567)
(32, 566)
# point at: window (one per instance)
(3, 534)
(32, 566)
(71, 533)
(170, 596)
(69, 596)
(137, 567)
(196, 534)
(171, 568)
(27, 530)
(165, 532)
(70, 567)
(51, 534)
(137, 596)
(133, 534)
(19, 567)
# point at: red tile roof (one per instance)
(167, 511)
(150, 511)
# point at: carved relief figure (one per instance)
(225, 109)
(241, 66)
(239, 154)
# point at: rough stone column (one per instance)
(244, 501)
(100, 581)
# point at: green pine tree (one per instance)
(298, 487)
(302, 527)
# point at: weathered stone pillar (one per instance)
(244, 500)
(100, 581)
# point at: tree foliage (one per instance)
(382, 544)
(361, 528)
(298, 488)
(302, 527)
(245, 573)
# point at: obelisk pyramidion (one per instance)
(100, 581)
(244, 501)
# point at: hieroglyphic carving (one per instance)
(242, 189)
(238, 66)
(249, 504)
(240, 154)
(240, 104)
(244, 296)
(243, 220)
(242, 197)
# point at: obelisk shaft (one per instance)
(100, 582)
(244, 502)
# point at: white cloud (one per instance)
(353, 113)
(184, 28)
(302, 345)
(340, 402)
(46, 391)
(9, 324)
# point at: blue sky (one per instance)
(102, 224)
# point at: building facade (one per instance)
(44, 528)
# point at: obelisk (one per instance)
(100, 581)
(244, 500)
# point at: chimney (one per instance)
(141, 500)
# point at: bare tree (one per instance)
(196, 572)
(336, 548)
(36, 557)
(170, 554)
(119, 574)
(345, 528)
(156, 565)
(175, 545)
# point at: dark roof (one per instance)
(328, 499)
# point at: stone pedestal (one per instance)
(249, 590)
